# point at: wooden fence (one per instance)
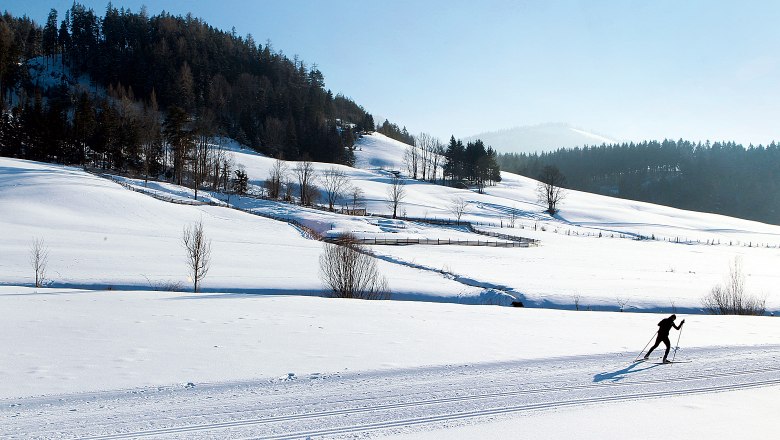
(471, 226)
(510, 241)
(529, 241)
(431, 241)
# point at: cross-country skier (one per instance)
(664, 327)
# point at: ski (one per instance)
(660, 363)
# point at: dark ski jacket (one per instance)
(665, 326)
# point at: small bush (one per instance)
(731, 299)
(350, 272)
(165, 285)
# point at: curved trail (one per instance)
(339, 405)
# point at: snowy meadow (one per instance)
(114, 318)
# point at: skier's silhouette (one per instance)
(664, 327)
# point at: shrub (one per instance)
(731, 299)
(350, 272)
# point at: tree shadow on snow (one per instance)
(621, 374)
(243, 293)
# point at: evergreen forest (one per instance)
(133, 92)
(148, 94)
(721, 177)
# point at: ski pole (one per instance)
(648, 343)
(677, 346)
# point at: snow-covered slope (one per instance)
(101, 235)
(539, 138)
(105, 236)
(256, 356)
(136, 364)
(589, 251)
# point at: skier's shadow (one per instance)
(621, 374)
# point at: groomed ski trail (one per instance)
(382, 402)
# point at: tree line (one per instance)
(392, 131)
(721, 177)
(156, 85)
(473, 163)
(455, 164)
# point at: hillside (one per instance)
(721, 177)
(159, 79)
(259, 353)
(593, 240)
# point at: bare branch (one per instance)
(731, 298)
(334, 184)
(277, 176)
(306, 175)
(39, 259)
(396, 193)
(350, 272)
(549, 190)
(457, 207)
(198, 253)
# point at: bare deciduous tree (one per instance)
(457, 207)
(396, 193)
(151, 138)
(550, 188)
(39, 259)
(198, 253)
(412, 160)
(334, 184)
(201, 154)
(437, 156)
(731, 298)
(576, 298)
(421, 141)
(276, 178)
(288, 189)
(306, 175)
(430, 155)
(355, 193)
(220, 158)
(350, 273)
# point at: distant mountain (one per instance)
(539, 138)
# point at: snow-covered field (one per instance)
(105, 352)
(108, 364)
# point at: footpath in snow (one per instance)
(391, 402)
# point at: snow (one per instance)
(97, 340)
(734, 415)
(131, 241)
(540, 138)
(49, 72)
(104, 349)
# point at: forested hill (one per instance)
(724, 178)
(197, 78)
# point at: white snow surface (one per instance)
(139, 364)
(540, 138)
(104, 352)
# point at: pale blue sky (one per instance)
(627, 69)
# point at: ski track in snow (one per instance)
(383, 402)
